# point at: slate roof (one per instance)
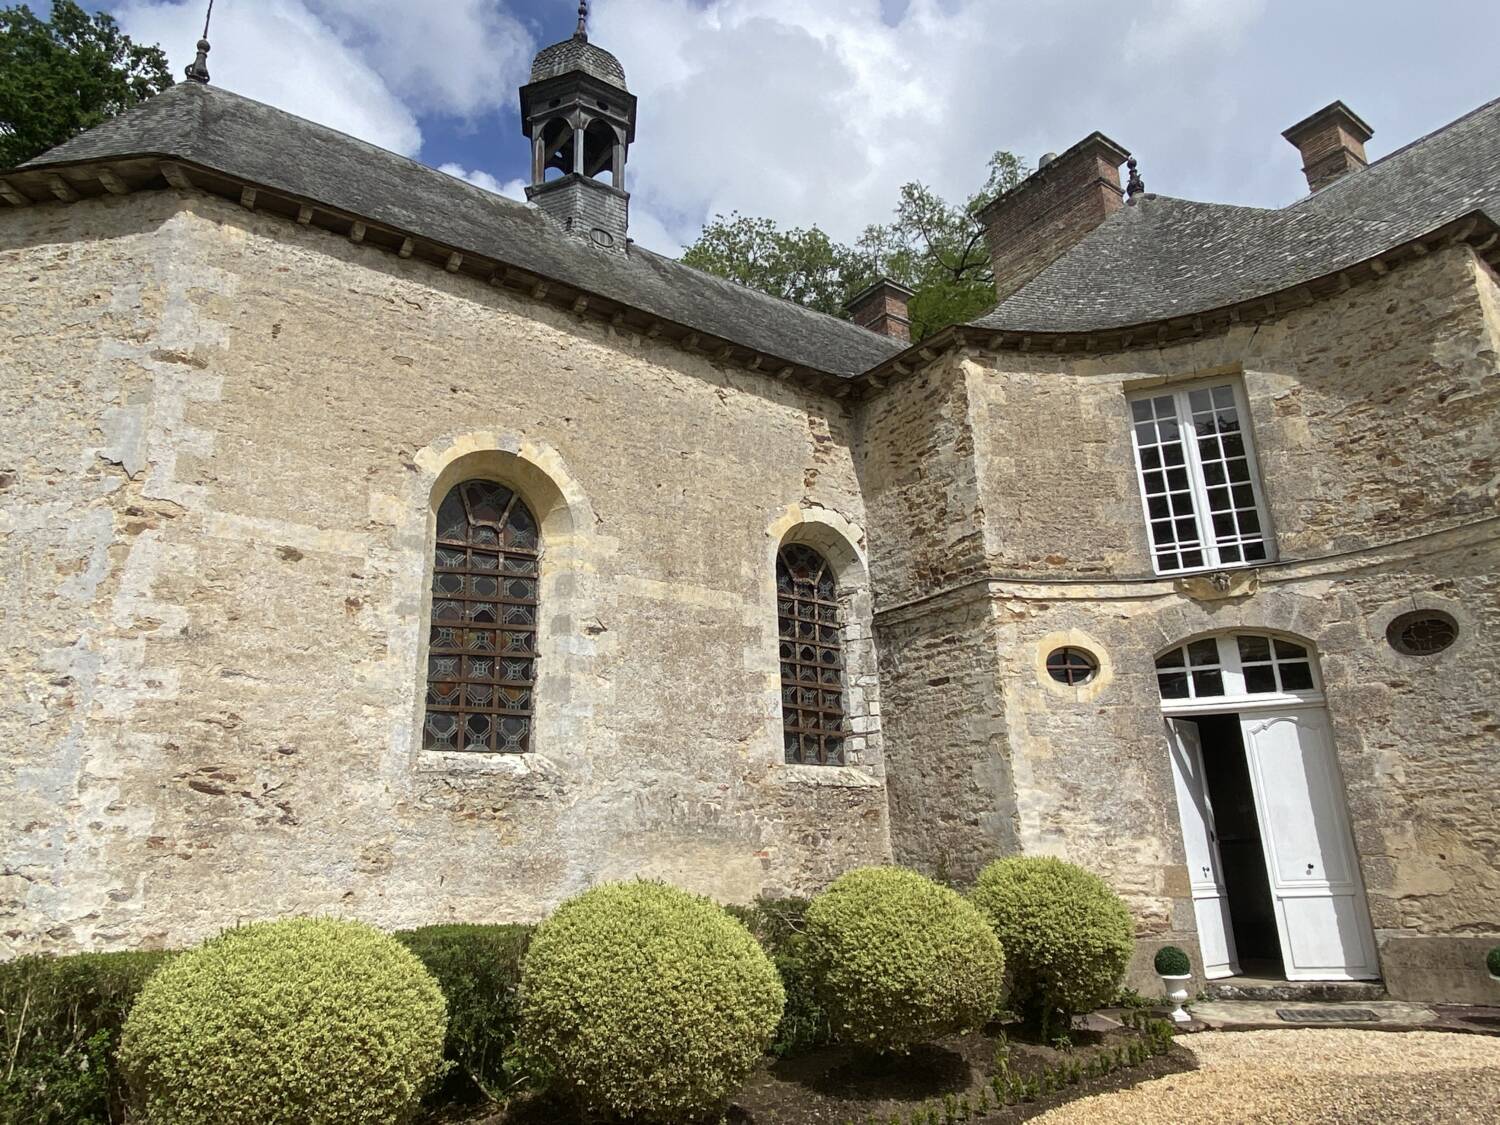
(250, 141)
(577, 54)
(1166, 257)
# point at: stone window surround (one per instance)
(838, 541)
(1181, 385)
(539, 476)
(1073, 638)
(1379, 621)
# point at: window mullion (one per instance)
(1201, 513)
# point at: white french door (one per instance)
(1205, 870)
(1321, 915)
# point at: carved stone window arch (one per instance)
(482, 647)
(815, 721)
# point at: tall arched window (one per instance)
(814, 720)
(481, 662)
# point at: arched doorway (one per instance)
(1271, 859)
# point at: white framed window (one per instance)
(1256, 667)
(1200, 485)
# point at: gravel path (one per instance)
(1323, 1075)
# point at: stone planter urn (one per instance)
(1177, 993)
(1176, 973)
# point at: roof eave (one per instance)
(1475, 227)
(148, 171)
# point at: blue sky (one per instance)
(816, 111)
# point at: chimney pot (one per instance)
(1332, 143)
(883, 308)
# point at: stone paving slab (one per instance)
(1224, 1015)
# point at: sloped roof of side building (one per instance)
(247, 140)
(1163, 258)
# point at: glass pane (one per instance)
(1260, 679)
(1174, 685)
(1285, 650)
(1208, 683)
(1203, 652)
(1296, 677)
(1172, 659)
(1254, 648)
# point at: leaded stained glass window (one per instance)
(481, 654)
(814, 720)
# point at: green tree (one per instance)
(937, 249)
(932, 246)
(801, 265)
(61, 76)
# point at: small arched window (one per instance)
(481, 662)
(814, 719)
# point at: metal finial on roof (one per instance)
(197, 70)
(1135, 185)
(583, 21)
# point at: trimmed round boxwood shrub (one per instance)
(644, 1001)
(1172, 962)
(308, 1020)
(779, 925)
(900, 960)
(479, 970)
(1068, 937)
(1493, 961)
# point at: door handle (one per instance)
(1309, 868)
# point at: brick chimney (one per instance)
(1332, 143)
(1042, 217)
(882, 308)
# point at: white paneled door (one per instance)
(1205, 871)
(1321, 916)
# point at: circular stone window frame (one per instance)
(1382, 620)
(1104, 672)
(1399, 623)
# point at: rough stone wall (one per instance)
(224, 437)
(1375, 417)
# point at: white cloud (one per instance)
(285, 55)
(511, 189)
(445, 56)
(818, 113)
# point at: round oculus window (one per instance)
(1072, 666)
(1425, 632)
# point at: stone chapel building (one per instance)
(375, 545)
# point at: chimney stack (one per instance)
(1037, 221)
(882, 308)
(1332, 143)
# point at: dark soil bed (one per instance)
(834, 1086)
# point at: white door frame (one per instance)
(1257, 712)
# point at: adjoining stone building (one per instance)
(376, 545)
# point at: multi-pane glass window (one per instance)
(481, 662)
(1198, 479)
(812, 663)
(1243, 664)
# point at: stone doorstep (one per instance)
(1353, 993)
(1391, 1015)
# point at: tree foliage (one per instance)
(66, 74)
(932, 246)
